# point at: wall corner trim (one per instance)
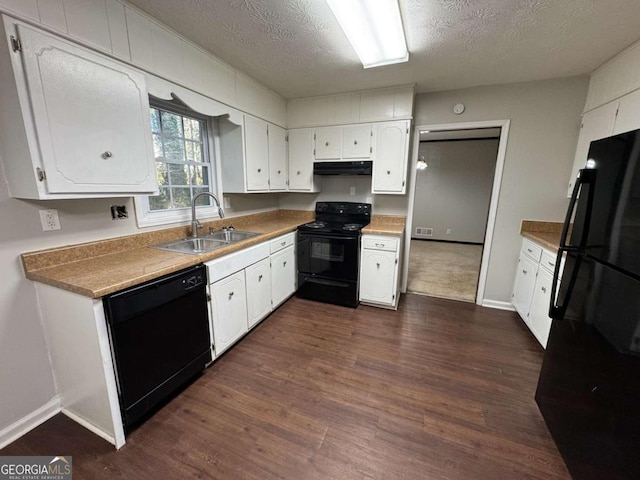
(29, 422)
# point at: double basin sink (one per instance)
(207, 243)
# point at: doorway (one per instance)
(455, 181)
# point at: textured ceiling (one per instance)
(296, 47)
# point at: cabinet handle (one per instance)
(283, 243)
(326, 144)
(355, 142)
(278, 172)
(380, 245)
(529, 250)
(524, 271)
(298, 173)
(544, 289)
(259, 278)
(551, 264)
(378, 265)
(230, 294)
(388, 172)
(107, 154)
(284, 264)
(259, 170)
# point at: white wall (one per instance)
(338, 189)
(545, 121)
(454, 191)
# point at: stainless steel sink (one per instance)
(232, 236)
(194, 246)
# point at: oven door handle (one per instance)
(306, 235)
(325, 281)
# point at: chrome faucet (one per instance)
(195, 223)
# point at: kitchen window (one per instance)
(181, 144)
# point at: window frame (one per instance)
(146, 217)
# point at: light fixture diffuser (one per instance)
(374, 29)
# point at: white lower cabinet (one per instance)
(258, 278)
(379, 260)
(229, 310)
(246, 285)
(283, 268)
(532, 288)
(539, 321)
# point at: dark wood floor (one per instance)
(437, 390)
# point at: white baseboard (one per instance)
(498, 305)
(89, 426)
(29, 422)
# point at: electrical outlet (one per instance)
(227, 202)
(352, 191)
(119, 212)
(448, 231)
(49, 220)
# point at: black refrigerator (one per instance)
(589, 385)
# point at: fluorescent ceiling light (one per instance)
(374, 28)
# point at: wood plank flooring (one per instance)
(437, 390)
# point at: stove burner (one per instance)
(352, 227)
(315, 224)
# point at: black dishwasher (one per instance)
(160, 339)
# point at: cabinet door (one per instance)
(356, 141)
(328, 143)
(256, 151)
(390, 157)
(258, 278)
(523, 286)
(539, 320)
(283, 275)
(301, 160)
(628, 117)
(228, 310)
(378, 275)
(91, 118)
(277, 158)
(596, 124)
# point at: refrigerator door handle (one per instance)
(558, 309)
(585, 177)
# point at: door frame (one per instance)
(495, 193)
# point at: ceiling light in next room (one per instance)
(374, 28)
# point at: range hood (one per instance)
(343, 168)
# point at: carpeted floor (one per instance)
(447, 270)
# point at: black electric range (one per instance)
(329, 252)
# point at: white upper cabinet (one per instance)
(628, 117)
(390, 157)
(356, 141)
(86, 126)
(328, 143)
(301, 178)
(253, 156)
(256, 143)
(277, 158)
(596, 124)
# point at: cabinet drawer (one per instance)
(380, 243)
(234, 262)
(284, 241)
(548, 260)
(531, 250)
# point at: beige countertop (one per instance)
(385, 225)
(99, 268)
(546, 234)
